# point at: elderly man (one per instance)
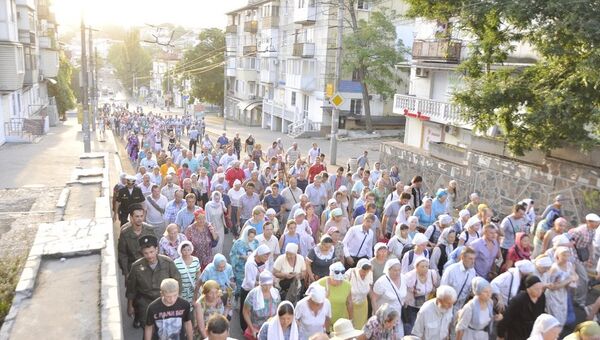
(473, 204)
(583, 237)
(127, 196)
(269, 239)
(173, 207)
(434, 317)
(247, 202)
(192, 162)
(234, 173)
(170, 188)
(227, 159)
(459, 275)
(317, 194)
(185, 216)
(148, 162)
(143, 282)
(293, 154)
(146, 185)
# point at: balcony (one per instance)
(446, 51)
(26, 37)
(305, 15)
(271, 108)
(49, 63)
(302, 82)
(268, 76)
(231, 29)
(270, 22)
(304, 50)
(251, 26)
(246, 74)
(12, 69)
(31, 77)
(250, 50)
(429, 110)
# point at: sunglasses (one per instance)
(337, 272)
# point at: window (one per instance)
(356, 106)
(355, 75)
(362, 4)
(293, 98)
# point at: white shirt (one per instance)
(316, 196)
(502, 284)
(169, 191)
(313, 154)
(153, 216)
(292, 196)
(358, 243)
(432, 323)
(226, 160)
(251, 271)
(148, 163)
(308, 322)
(273, 244)
(459, 278)
(146, 190)
(235, 195)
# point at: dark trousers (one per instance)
(243, 295)
(193, 144)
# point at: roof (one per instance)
(250, 6)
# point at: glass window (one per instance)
(293, 103)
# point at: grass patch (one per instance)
(10, 271)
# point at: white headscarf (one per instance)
(543, 323)
(265, 278)
(391, 293)
(275, 330)
(402, 219)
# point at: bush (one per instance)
(10, 271)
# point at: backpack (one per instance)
(410, 249)
(467, 236)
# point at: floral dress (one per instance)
(240, 248)
(201, 240)
(209, 311)
(374, 330)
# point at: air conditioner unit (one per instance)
(451, 130)
(422, 73)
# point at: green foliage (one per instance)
(553, 102)
(372, 49)
(10, 270)
(130, 59)
(62, 91)
(203, 65)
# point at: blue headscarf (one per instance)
(212, 273)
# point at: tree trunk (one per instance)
(365, 99)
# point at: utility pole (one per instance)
(225, 96)
(84, 92)
(335, 114)
(92, 81)
(96, 80)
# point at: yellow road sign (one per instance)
(337, 100)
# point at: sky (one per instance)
(188, 13)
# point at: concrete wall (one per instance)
(501, 182)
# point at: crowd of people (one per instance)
(363, 253)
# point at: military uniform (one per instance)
(128, 246)
(126, 200)
(143, 283)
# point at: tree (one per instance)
(552, 103)
(372, 50)
(62, 91)
(131, 60)
(203, 65)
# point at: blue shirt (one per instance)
(192, 164)
(438, 208)
(185, 218)
(424, 219)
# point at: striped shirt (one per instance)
(188, 277)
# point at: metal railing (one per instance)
(437, 111)
(303, 125)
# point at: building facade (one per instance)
(280, 64)
(28, 61)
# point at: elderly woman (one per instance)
(476, 318)
(202, 235)
(313, 313)
(235, 194)
(471, 232)
(420, 242)
(379, 260)
(189, 268)
(260, 304)
(221, 272)
(425, 213)
(587, 330)
(289, 235)
(339, 292)
(546, 327)
(208, 304)
(420, 283)
(523, 310)
(382, 325)
(391, 289)
(282, 326)
(381, 192)
(215, 215)
(361, 279)
(443, 249)
(289, 268)
(561, 276)
(403, 214)
(507, 284)
(238, 255)
(170, 242)
(401, 239)
(320, 258)
(338, 220)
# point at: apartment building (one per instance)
(279, 67)
(28, 61)
(431, 117)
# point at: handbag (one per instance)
(583, 254)
(248, 334)
(213, 241)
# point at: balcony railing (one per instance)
(304, 50)
(440, 50)
(231, 29)
(251, 26)
(249, 50)
(270, 22)
(428, 109)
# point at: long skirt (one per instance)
(361, 314)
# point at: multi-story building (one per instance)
(28, 61)
(280, 63)
(163, 66)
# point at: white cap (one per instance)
(560, 240)
(525, 266)
(270, 211)
(299, 212)
(592, 218)
(419, 238)
(543, 261)
(263, 249)
(291, 248)
(445, 219)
